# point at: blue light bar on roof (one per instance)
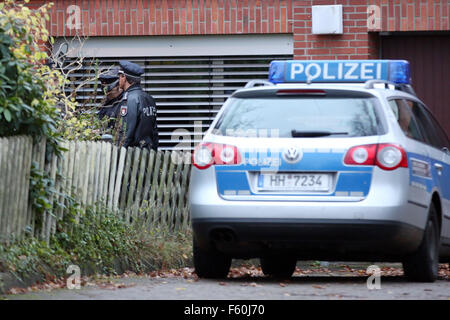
(339, 71)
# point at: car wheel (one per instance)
(211, 263)
(423, 265)
(278, 267)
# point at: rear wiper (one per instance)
(297, 134)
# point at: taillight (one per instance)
(208, 154)
(203, 156)
(390, 157)
(361, 155)
(386, 156)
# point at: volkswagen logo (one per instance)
(292, 155)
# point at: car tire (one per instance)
(210, 264)
(422, 265)
(278, 267)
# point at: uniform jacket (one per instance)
(111, 110)
(138, 111)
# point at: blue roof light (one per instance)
(342, 71)
(399, 71)
(276, 71)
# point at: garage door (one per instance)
(429, 56)
(190, 77)
(189, 91)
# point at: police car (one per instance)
(328, 160)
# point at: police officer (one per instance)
(113, 93)
(137, 109)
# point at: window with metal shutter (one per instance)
(189, 91)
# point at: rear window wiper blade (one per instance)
(297, 134)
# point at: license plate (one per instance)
(305, 182)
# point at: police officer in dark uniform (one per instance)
(113, 92)
(137, 109)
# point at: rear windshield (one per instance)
(300, 116)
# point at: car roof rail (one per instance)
(258, 83)
(391, 85)
(371, 84)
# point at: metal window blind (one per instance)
(189, 91)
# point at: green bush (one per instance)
(98, 240)
(28, 88)
(98, 243)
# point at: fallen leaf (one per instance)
(129, 285)
(318, 287)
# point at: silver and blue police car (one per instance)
(328, 160)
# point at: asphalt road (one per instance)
(336, 282)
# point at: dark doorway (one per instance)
(429, 57)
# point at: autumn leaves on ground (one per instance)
(248, 274)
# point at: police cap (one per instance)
(109, 77)
(131, 69)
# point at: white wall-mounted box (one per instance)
(327, 19)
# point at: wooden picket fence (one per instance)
(140, 186)
(15, 163)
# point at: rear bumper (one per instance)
(309, 239)
(388, 200)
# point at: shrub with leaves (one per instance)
(98, 242)
(29, 89)
(34, 95)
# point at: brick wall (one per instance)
(357, 42)
(189, 17)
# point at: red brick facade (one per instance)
(211, 17)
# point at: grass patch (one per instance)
(99, 243)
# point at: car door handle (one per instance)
(438, 167)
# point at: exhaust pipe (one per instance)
(223, 235)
